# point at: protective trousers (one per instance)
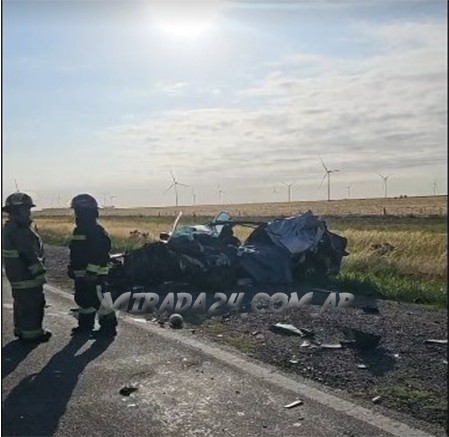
(28, 312)
(88, 301)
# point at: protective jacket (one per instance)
(89, 252)
(23, 255)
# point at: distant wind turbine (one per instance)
(220, 194)
(385, 181)
(348, 188)
(193, 197)
(289, 190)
(327, 174)
(17, 185)
(435, 188)
(174, 185)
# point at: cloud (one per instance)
(363, 114)
(172, 89)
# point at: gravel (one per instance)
(409, 375)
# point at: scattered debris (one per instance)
(376, 399)
(294, 404)
(286, 329)
(370, 310)
(360, 339)
(305, 343)
(220, 335)
(176, 321)
(138, 319)
(293, 361)
(362, 366)
(255, 333)
(331, 346)
(445, 362)
(127, 390)
(308, 333)
(433, 341)
(396, 356)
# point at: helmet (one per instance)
(84, 201)
(18, 199)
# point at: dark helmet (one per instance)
(84, 201)
(17, 199)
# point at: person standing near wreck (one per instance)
(23, 258)
(89, 267)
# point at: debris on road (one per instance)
(433, 341)
(286, 329)
(305, 343)
(361, 340)
(127, 390)
(294, 404)
(362, 366)
(376, 399)
(176, 321)
(370, 310)
(331, 346)
(293, 361)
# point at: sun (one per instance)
(183, 19)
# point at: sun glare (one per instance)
(184, 20)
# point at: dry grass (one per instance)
(417, 206)
(420, 254)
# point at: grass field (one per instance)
(406, 206)
(414, 270)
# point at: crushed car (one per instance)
(210, 256)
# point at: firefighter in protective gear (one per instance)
(23, 257)
(89, 264)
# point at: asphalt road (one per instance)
(71, 386)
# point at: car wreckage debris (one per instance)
(433, 341)
(294, 404)
(210, 257)
(286, 329)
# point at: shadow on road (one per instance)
(13, 354)
(35, 406)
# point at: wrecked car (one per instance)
(210, 256)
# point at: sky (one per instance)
(241, 97)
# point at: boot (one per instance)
(43, 338)
(86, 324)
(108, 326)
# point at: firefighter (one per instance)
(23, 257)
(89, 261)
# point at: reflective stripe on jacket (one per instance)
(89, 251)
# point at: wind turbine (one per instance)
(348, 188)
(385, 179)
(327, 175)
(435, 188)
(17, 185)
(193, 197)
(220, 194)
(174, 185)
(289, 190)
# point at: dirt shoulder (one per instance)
(409, 375)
